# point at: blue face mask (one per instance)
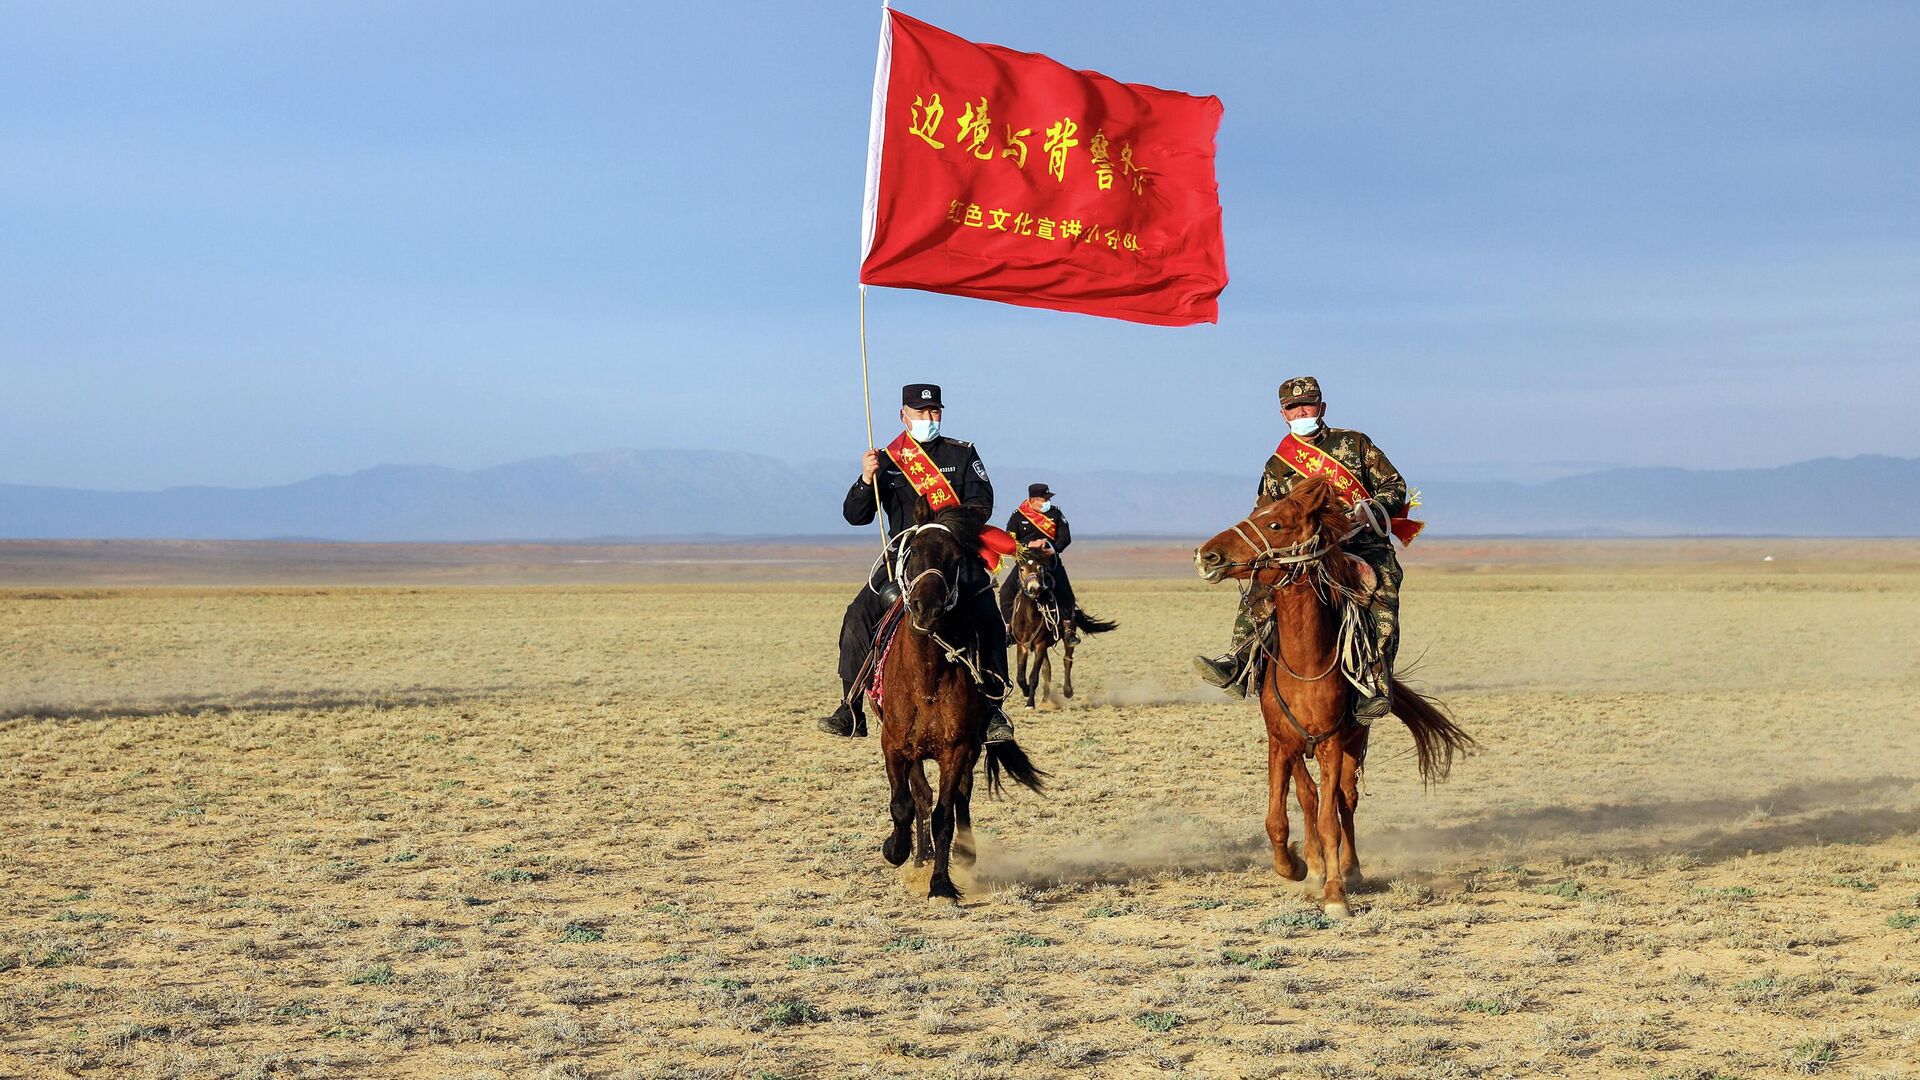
(1045, 505)
(923, 430)
(1304, 426)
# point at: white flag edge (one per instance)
(876, 129)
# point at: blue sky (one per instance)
(247, 243)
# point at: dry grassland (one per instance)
(590, 831)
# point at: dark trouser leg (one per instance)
(1009, 592)
(1063, 592)
(993, 641)
(856, 641)
(992, 634)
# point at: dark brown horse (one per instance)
(1037, 625)
(1294, 547)
(932, 706)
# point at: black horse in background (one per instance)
(1036, 624)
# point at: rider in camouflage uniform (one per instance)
(1303, 408)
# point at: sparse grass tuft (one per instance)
(372, 975)
(790, 1013)
(1256, 961)
(1298, 920)
(1812, 1055)
(1158, 1021)
(1570, 890)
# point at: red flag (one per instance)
(1007, 176)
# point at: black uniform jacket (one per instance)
(959, 462)
(1024, 530)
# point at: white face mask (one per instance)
(923, 430)
(1304, 426)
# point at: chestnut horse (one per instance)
(1036, 627)
(1293, 545)
(933, 707)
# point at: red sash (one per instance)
(932, 485)
(920, 471)
(1038, 520)
(1309, 460)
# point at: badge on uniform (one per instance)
(981, 468)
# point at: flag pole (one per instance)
(866, 396)
(873, 165)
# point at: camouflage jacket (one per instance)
(1363, 459)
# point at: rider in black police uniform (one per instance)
(959, 462)
(1040, 498)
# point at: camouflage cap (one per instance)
(1303, 390)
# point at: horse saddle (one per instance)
(883, 633)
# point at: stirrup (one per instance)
(999, 728)
(1221, 671)
(1369, 709)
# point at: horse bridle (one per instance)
(954, 653)
(907, 586)
(1268, 554)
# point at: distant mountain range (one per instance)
(663, 493)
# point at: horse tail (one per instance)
(1092, 625)
(1436, 738)
(1009, 756)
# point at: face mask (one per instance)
(1304, 426)
(1044, 505)
(923, 430)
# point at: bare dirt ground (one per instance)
(586, 830)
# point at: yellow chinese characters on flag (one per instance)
(1008, 176)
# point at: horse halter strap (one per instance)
(1269, 554)
(906, 587)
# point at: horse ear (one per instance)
(922, 513)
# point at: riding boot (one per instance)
(848, 719)
(1228, 671)
(999, 728)
(1373, 706)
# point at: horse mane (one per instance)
(1329, 519)
(964, 522)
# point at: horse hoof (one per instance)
(1290, 869)
(1338, 912)
(894, 850)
